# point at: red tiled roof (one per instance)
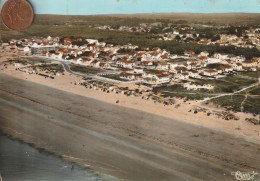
(126, 74)
(210, 71)
(248, 61)
(221, 68)
(162, 75)
(102, 64)
(164, 56)
(202, 57)
(180, 68)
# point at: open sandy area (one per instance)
(66, 82)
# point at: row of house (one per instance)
(150, 66)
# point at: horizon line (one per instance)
(145, 13)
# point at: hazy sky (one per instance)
(91, 7)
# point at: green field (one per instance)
(228, 84)
(196, 96)
(36, 60)
(84, 69)
(248, 101)
(50, 67)
(252, 105)
(255, 91)
(251, 74)
(234, 102)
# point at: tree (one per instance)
(246, 37)
(178, 38)
(189, 39)
(232, 30)
(215, 38)
(52, 51)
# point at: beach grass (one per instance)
(50, 67)
(85, 69)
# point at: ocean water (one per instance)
(21, 162)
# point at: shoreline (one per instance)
(56, 155)
(184, 113)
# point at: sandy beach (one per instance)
(66, 82)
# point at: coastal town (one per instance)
(152, 73)
(132, 63)
(168, 94)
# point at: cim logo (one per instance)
(244, 175)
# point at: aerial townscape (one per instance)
(201, 73)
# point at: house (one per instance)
(183, 76)
(163, 78)
(176, 32)
(127, 76)
(77, 60)
(203, 59)
(138, 70)
(249, 63)
(188, 53)
(147, 63)
(210, 72)
(86, 61)
(44, 53)
(150, 80)
(27, 49)
(157, 49)
(155, 77)
(214, 60)
(237, 66)
(17, 65)
(127, 70)
(194, 74)
(162, 66)
(194, 56)
(126, 64)
(238, 59)
(228, 68)
(221, 69)
(94, 63)
(221, 56)
(192, 65)
(104, 65)
(180, 69)
(92, 41)
(204, 54)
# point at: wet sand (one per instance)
(21, 162)
(126, 143)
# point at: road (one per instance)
(125, 143)
(66, 66)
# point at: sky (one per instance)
(93, 7)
